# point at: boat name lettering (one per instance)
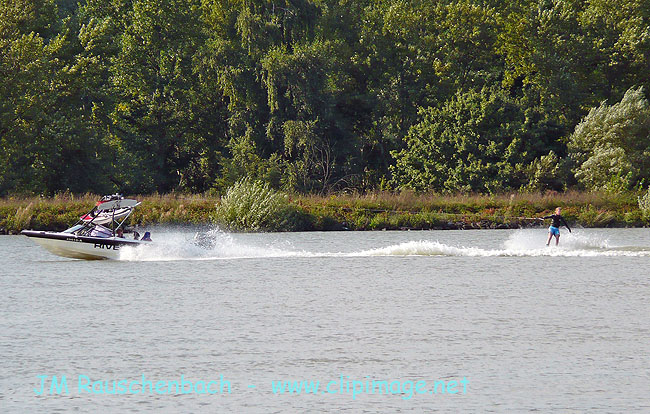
(106, 246)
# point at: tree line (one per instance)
(314, 96)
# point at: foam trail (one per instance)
(211, 245)
(527, 240)
(215, 245)
(426, 248)
(519, 244)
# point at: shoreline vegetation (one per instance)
(326, 97)
(373, 211)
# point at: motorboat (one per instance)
(96, 235)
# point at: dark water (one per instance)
(530, 328)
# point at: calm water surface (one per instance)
(531, 328)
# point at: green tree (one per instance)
(611, 146)
(240, 34)
(306, 98)
(620, 35)
(155, 112)
(550, 54)
(475, 142)
(45, 138)
(313, 95)
(418, 54)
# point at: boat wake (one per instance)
(215, 244)
(580, 248)
(519, 244)
(210, 245)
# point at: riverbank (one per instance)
(378, 211)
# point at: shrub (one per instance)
(254, 206)
(611, 145)
(21, 219)
(644, 204)
(476, 141)
(548, 172)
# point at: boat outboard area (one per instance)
(97, 234)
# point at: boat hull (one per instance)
(80, 247)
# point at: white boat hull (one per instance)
(80, 247)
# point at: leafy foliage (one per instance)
(644, 204)
(317, 96)
(253, 206)
(476, 142)
(611, 145)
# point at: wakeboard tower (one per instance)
(95, 234)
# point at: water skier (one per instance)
(554, 229)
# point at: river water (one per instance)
(527, 328)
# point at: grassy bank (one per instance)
(355, 212)
(59, 212)
(409, 211)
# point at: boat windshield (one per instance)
(101, 231)
(94, 230)
(74, 228)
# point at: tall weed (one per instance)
(254, 206)
(22, 219)
(644, 204)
